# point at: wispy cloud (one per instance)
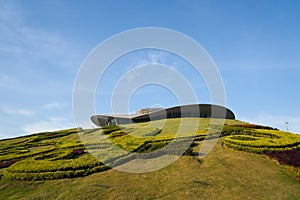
(36, 63)
(17, 111)
(157, 56)
(52, 105)
(27, 43)
(7, 81)
(150, 57)
(154, 57)
(30, 112)
(52, 124)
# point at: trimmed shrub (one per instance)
(263, 141)
(289, 157)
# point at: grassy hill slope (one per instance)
(224, 174)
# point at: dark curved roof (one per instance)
(192, 110)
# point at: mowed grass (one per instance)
(223, 174)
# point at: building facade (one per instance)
(150, 114)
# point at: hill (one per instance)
(57, 165)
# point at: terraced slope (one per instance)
(62, 154)
(238, 167)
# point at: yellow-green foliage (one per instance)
(31, 169)
(128, 142)
(262, 141)
(25, 176)
(51, 155)
(31, 165)
(46, 156)
(53, 151)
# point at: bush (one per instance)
(31, 169)
(38, 176)
(110, 129)
(253, 126)
(263, 141)
(289, 157)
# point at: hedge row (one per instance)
(52, 135)
(10, 157)
(31, 165)
(110, 129)
(263, 141)
(253, 126)
(290, 157)
(34, 176)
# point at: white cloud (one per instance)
(28, 54)
(7, 81)
(29, 43)
(157, 57)
(154, 57)
(17, 111)
(277, 122)
(52, 105)
(52, 124)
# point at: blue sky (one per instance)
(255, 45)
